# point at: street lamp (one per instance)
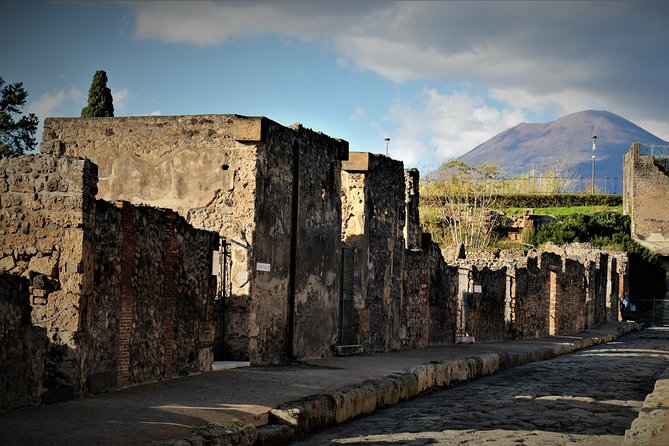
(387, 140)
(594, 148)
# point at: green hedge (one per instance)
(558, 200)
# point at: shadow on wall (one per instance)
(22, 346)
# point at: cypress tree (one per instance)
(99, 98)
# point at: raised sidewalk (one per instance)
(271, 405)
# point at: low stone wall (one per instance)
(124, 293)
(553, 291)
(430, 288)
(22, 346)
(153, 294)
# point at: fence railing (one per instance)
(660, 151)
(558, 185)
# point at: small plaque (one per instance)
(478, 289)
(263, 267)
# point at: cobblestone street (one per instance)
(589, 397)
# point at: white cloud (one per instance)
(56, 102)
(444, 126)
(47, 103)
(156, 113)
(530, 57)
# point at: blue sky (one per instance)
(437, 77)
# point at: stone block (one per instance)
(7, 263)
(47, 265)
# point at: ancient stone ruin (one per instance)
(143, 248)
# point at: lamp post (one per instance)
(387, 140)
(594, 148)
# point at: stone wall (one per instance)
(374, 195)
(403, 291)
(22, 346)
(646, 198)
(124, 292)
(47, 210)
(430, 290)
(553, 291)
(271, 191)
(485, 304)
(153, 297)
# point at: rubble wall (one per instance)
(152, 316)
(47, 207)
(485, 314)
(645, 198)
(230, 174)
(430, 290)
(374, 218)
(316, 206)
(22, 346)
(203, 167)
(531, 301)
(124, 292)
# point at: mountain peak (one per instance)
(565, 141)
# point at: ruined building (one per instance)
(646, 200)
(111, 240)
(270, 191)
(117, 294)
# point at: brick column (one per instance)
(127, 301)
(169, 295)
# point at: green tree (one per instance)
(16, 136)
(100, 101)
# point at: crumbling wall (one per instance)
(571, 303)
(153, 297)
(271, 191)
(22, 346)
(531, 310)
(557, 290)
(105, 280)
(203, 167)
(486, 301)
(47, 208)
(646, 199)
(412, 229)
(317, 203)
(354, 239)
(430, 290)
(374, 217)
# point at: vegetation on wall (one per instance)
(17, 135)
(609, 230)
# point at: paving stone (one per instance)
(589, 397)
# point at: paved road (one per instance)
(589, 397)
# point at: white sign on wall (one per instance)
(263, 267)
(215, 263)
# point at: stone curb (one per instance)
(648, 428)
(298, 419)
